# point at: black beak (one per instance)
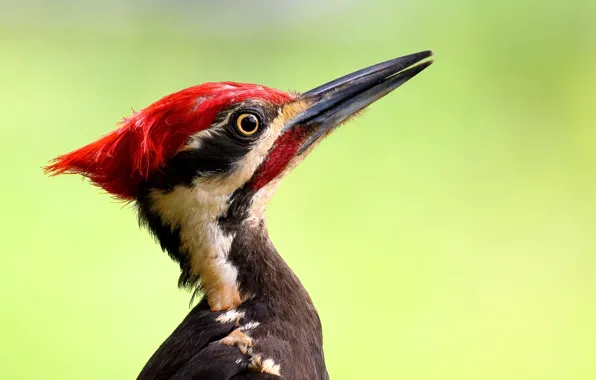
(334, 102)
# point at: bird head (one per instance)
(202, 163)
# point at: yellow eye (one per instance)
(247, 124)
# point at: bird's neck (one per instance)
(221, 252)
(247, 267)
(262, 273)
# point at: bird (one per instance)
(200, 166)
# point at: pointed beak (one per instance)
(335, 101)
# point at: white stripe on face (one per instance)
(195, 211)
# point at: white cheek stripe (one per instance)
(195, 211)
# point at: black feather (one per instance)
(196, 331)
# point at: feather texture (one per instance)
(121, 160)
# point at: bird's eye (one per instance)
(247, 124)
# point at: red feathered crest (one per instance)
(121, 160)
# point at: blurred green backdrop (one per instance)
(450, 233)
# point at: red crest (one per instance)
(120, 161)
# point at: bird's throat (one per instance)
(186, 223)
(227, 257)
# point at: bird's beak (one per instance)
(334, 102)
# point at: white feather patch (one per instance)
(230, 316)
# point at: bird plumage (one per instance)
(200, 166)
(120, 161)
(280, 320)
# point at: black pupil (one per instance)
(249, 123)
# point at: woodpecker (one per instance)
(200, 166)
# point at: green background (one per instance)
(449, 233)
